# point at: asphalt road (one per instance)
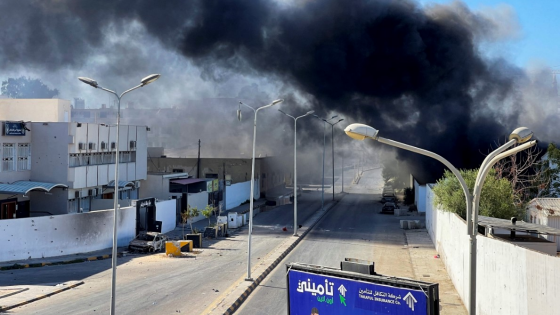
(156, 284)
(354, 228)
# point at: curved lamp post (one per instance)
(145, 81)
(324, 137)
(332, 146)
(295, 164)
(252, 178)
(520, 135)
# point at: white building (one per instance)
(545, 211)
(53, 166)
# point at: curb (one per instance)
(62, 262)
(235, 306)
(40, 297)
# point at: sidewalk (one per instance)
(12, 297)
(200, 225)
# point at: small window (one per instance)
(24, 156)
(8, 157)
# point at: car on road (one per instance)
(385, 199)
(389, 207)
(148, 242)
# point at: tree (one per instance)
(524, 173)
(207, 212)
(394, 173)
(189, 213)
(25, 87)
(497, 199)
(548, 184)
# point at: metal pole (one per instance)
(251, 199)
(323, 190)
(342, 161)
(295, 178)
(487, 164)
(115, 213)
(332, 146)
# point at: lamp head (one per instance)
(521, 134)
(277, 101)
(149, 79)
(89, 81)
(310, 112)
(361, 131)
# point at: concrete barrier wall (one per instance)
(510, 279)
(166, 213)
(64, 234)
(238, 193)
(199, 200)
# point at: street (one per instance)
(354, 228)
(156, 284)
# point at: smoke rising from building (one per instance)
(418, 74)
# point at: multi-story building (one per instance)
(53, 166)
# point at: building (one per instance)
(53, 166)
(545, 211)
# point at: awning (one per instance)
(186, 181)
(24, 186)
(519, 226)
(122, 184)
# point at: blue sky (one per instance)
(539, 20)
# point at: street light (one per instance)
(252, 178)
(295, 163)
(332, 145)
(520, 136)
(145, 81)
(324, 140)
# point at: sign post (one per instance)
(325, 291)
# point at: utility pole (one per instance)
(198, 161)
(224, 192)
(332, 146)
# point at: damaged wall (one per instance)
(67, 234)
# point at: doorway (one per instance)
(8, 210)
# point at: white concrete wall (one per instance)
(49, 154)
(43, 110)
(510, 279)
(166, 213)
(199, 200)
(416, 195)
(240, 192)
(64, 234)
(155, 186)
(421, 198)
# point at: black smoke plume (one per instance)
(415, 74)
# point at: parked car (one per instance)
(389, 207)
(148, 242)
(385, 199)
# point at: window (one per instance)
(24, 156)
(83, 159)
(108, 158)
(8, 155)
(74, 160)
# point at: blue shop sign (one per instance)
(325, 295)
(14, 129)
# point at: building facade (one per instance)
(52, 166)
